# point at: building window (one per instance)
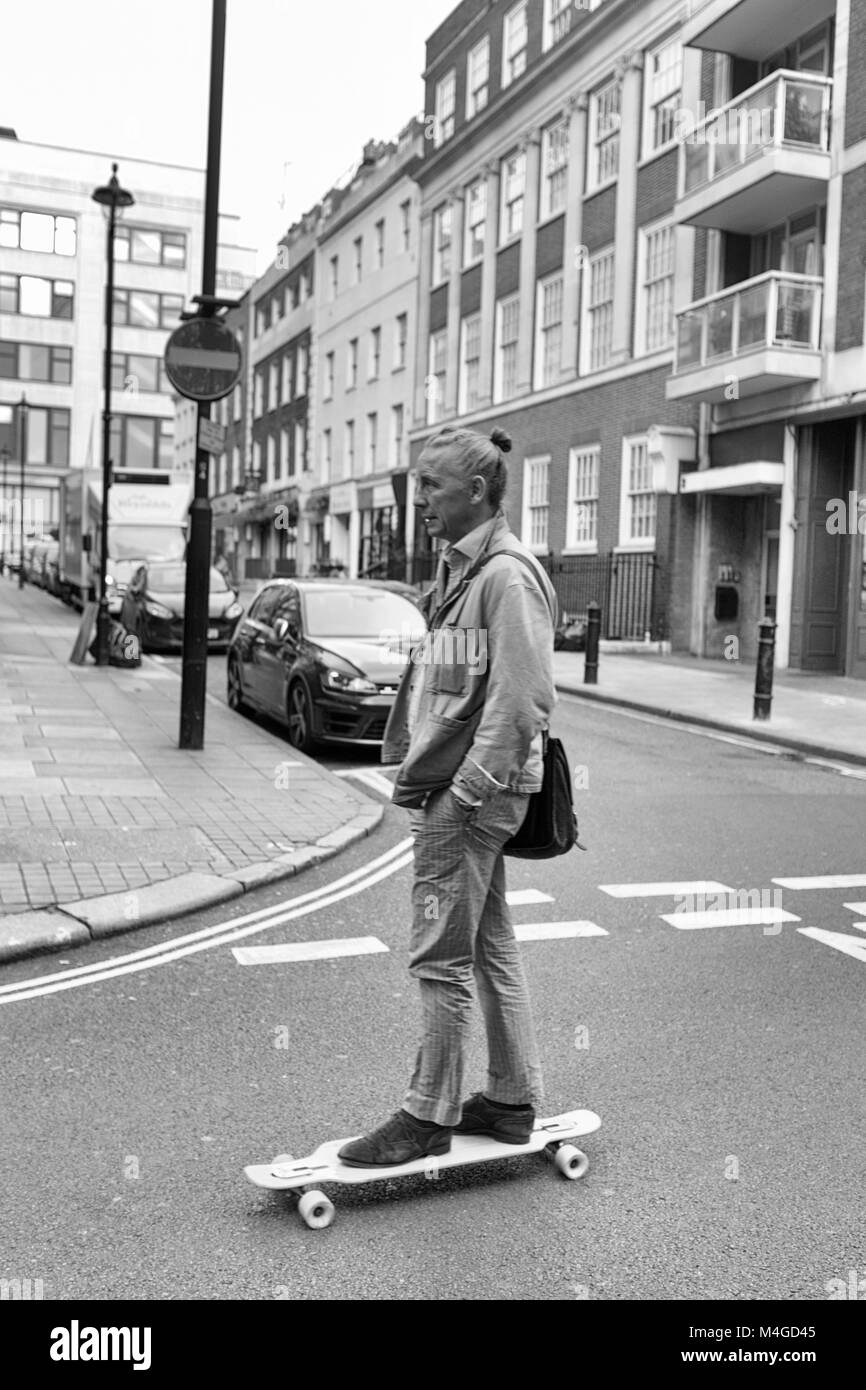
(34, 362)
(302, 364)
(434, 386)
(536, 503)
(375, 352)
(37, 231)
(443, 124)
(238, 402)
(638, 506)
(143, 309)
(48, 436)
(286, 377)
(401, 339)
(349, 449)
(139, 441)
(554, 167)
(470, 364)
(406, 224)
(327, 456)
(514, 42)
(270, 458)
(478, 78)
(548, 331)
(334, 275)
(284, 455)
(476, 220)
(380, 243)
(372, 441)
(557, 20)
(397, 427)
(134, 372)
(663, 76)
(358, 258)
(329, 375)
(581, 520)
(35, 297)
(656, 312)
(149, 246)
(274, 385)
(258, 395)
(505, 356)
(604, 126)
(300, 446)
(598, 335)
(513, 187)
(441, 243)
(352, 366)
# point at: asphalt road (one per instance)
(726, 1063)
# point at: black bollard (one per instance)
(593, 628)
(764, 672)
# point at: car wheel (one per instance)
(300, 717)
(234, 687)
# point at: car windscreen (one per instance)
(146, 543)
(172, 579)
(358, 613)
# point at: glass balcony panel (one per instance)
(697, 164)
(794, 315)
(758, 121)
(804, 106)
(720, 324)
(689, 339)
(753, 316)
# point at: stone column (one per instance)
(574, 253)
(452, 367)
(488, 286)
(531, 146)
(626, 208)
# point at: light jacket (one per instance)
(488, 682)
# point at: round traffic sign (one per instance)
(203, 359)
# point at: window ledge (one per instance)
(590, 548)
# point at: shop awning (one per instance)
(737, 479)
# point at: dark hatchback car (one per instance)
(324, 657)
(153, 607)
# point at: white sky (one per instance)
(307, 82)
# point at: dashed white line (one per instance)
(308, 950)
(663, 890)
(732, 917)
(550, 931)
(823, 881)
(521, 897)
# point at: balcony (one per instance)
(761, 335)
(763, 157)
(742, 27)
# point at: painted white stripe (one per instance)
(549, 931)
(850, 945)
(664, 890)
(824, 881)
(308, 950)
(733, 917)
(204, 357)
(392, 861)
(857, 907)
(518, 897)
(376, 780)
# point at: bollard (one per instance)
(764, 672)
(593, 628)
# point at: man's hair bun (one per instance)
(501, 440)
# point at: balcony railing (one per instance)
(774, 310)
(790, 109)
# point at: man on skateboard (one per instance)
(466, 728)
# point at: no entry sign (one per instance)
(203, 360)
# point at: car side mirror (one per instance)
(282, 629)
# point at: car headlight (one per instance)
(346, 684)
(157, 610)
(234, 610)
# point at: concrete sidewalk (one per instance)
(106, 825)
(817, 715)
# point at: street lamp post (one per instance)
(22, 440)
(112, 196)
(4, 459)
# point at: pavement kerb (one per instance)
(77, 922)
(760, 734)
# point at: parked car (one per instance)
(395, 586)
(51, 569)
(323, 656)
(570, 635)
(153, 607)
(31, 546)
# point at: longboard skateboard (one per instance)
(303, 1175)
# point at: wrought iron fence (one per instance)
(625, 586)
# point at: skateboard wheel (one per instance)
(571, 1162)
(316, 1210)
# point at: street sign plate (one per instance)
(211, 437)
(203, 360)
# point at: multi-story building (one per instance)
(770, 341)
(365, 360)
(550, 266)
(52, 308)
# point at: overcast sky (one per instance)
(306, 85)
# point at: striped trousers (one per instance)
(462, 939)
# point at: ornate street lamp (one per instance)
(111, 196)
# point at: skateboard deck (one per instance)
(285, 1174)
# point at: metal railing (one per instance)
(777, 309)
(786, 108)
(625, 585)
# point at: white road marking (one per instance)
(857, 907)
(376, 780)
(664, 890)
(732, 917)
(544, 931)
(392, 861)
(519, 897)
(824, 881)
(308, 950)
(851, 945)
